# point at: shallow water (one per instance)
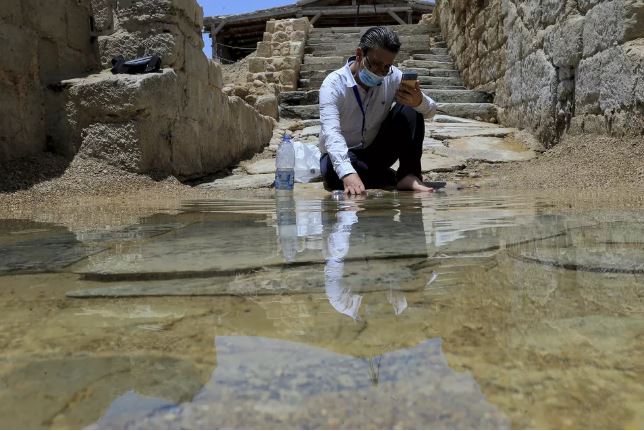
(454, 310)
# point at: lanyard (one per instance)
(357, 94)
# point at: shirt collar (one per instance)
(349, 80)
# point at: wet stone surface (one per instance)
(451, 310)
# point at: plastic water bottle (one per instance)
(285, 167)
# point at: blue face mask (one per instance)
(369, 78)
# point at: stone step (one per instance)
(345, 38)
(419, 70)
(442, 87)
(475, 111)
(439, 45)
(401, 30)
(445, 72)
(315, 74)
(331, 65)
(439, 80)
(429, 64)
(314, 79)
(310, 59)
(343, 49)
(432, 57)
(459, 96)
(297, 98)
(304, 112)
(438, 51)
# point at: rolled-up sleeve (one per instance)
(331, 98)
(427, 107)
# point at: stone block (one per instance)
(170, 47)
(257, 65)
(118, 143)
(267, 105)
(280, 36)
(613, 22)
(103, 11)
(551, 11)
(48, 62)
(264, 49)
(78, 26)
(11, 11)
(46, 18)
(215, 75)
(298, 36)
(301, 24)
(563, 43)
(22, 131)
(288, 77)
(270, 26)
(18, 50)
(610, 80)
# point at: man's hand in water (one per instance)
(353, 184)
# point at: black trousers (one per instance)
(400, 138)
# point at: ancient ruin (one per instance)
(177, 122)
(554, 66)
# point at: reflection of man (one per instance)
(340, 294)
(361, 135)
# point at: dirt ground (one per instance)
(87, 193)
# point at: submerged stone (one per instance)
(486, 149)
(29, 247)
(411, 387)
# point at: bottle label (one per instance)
(284, 179)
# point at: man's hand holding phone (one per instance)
(409, 91)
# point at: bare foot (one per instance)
(411, 182)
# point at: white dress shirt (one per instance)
(341, 117)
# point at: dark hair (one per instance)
(380, 37)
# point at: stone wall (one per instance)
(175, 122)
(556, 66)
(273, 67)
(280, 54)
(41, 42)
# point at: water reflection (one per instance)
(537, 310)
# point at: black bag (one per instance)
(148, 64)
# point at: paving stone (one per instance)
(459, 96)
(310, 131)
(486, 149)
(302, 111)
(265, 166)
(237, 182)
(429, 143)
(444, 132)
(438, 163)
(484, 111)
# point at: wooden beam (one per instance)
(217, 29)
(348, 10)
(315, 18)
(395, 16)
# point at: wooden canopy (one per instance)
(235, 36)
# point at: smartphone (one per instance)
(409, 78)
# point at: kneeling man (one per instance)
(362, 135)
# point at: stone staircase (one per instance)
(423, 51)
